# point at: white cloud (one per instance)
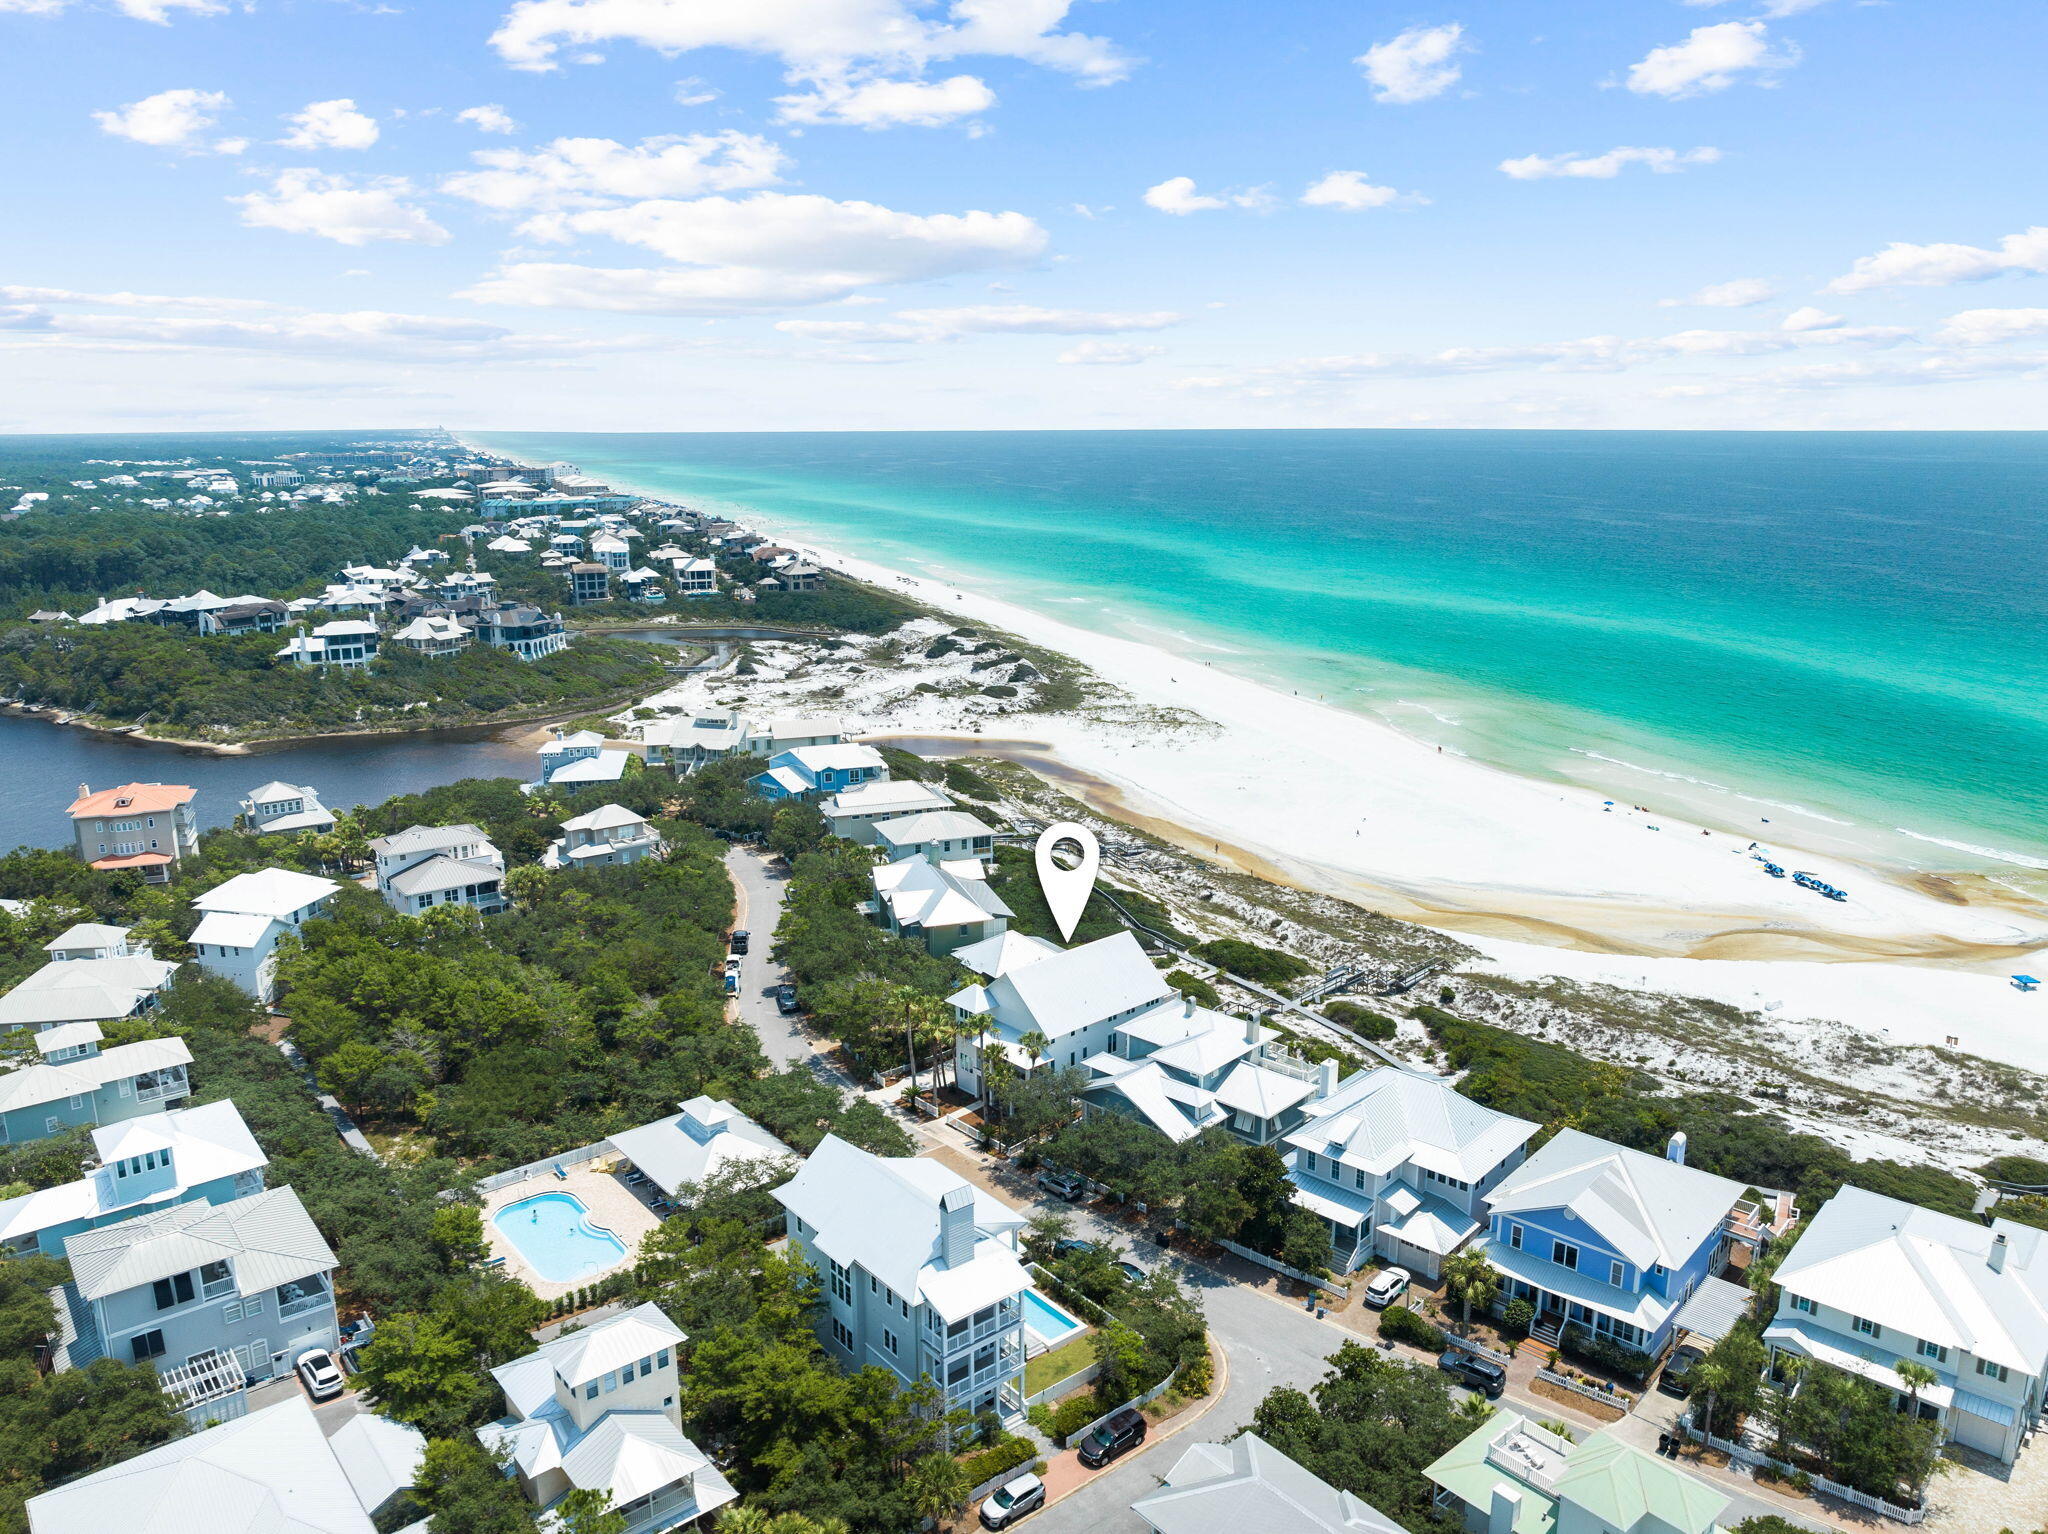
(1772, 8)
(1177, 195)
(344, 209)
(1738, 293)
(1349, 191)
(168, 119)
(877, 103)
(766, 251)
(1109, 353)
(584, 172)
(330, 125)
(1710, 59)
(1806, 317)
(1987, 327)
(1936, 266)
(1605, 167)
(158, 11)
(983, 319)
(46, 318)
(693, 92)
(488, 119)
(1415, 65)
(895, 35)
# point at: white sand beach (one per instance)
(1547, 878)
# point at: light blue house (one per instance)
(91, 1086)
(149, 1163)
(1613, 1240)
(809, 772)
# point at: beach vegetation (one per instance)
(1362, 1021)
(1194, 986)
(1725, 1133)
(1254, 961)
(969, 783)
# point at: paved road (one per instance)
(760, 886)
(1268, 1343)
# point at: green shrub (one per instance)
(1195, 986)
(1000, 690)
(1005, 1455)
(1366, 1024)
(1516, 1317)
(967, 782)
(1254, 961)
(1400, 1324)
(1071, 1415)
(1603, 1352)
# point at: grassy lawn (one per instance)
(1054, 1365)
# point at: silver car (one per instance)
(1011, 1501)
(1387, 1286)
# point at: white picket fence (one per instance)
(1743, 1454)
(1339, 1290)
(1145, 1398)
(577, 1157)
(1059, 1388)
(1619, 1399)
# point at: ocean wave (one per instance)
(2017, 859)
(1719, 788)
(1439, 718)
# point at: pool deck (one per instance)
(609, 1201)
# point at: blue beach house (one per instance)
(1613, 1240)
(90, 1086)
(809, 772)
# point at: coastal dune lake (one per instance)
(1840, 630)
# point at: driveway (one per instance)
(759, 887)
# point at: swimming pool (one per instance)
(553, 1233)
(1046, 1321)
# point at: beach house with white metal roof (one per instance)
(811, 772)
(279, 806)
(1873, 1281)
(608, 835)
(1597, 1235)
(1247, 1486)
(940, 835)
(87, 990)
(187, 1154)
(855, 812)
(1073, 997)
(214, 1295)
(596, 1409)
(921, 1271)
(91, 1086)
(702, 1139)
(94, 940)
(944, 906)
(271, 1472)
(1400, 1165)
(244, 919)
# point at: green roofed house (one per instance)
(1513, 1477)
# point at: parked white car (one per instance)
(1387, 1286)
(320, 1374)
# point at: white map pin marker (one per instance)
(1067, 889)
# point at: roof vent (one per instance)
(1675, 1150)
(1996, 1256)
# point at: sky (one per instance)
(730, 215)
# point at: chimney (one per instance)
(1997, 1254)
(1187, 1006)
(1507, 1504)
(956, 1226)
(1675, 1151)
(1251, 1030)
(84, 789)
(1326, 1078)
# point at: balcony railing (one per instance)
(299, 1304)
(161, 1090)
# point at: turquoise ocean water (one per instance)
(1845, 631)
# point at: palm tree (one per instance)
(1708, 1377)
(1035, 1045)
(1916, 1377)
(938, 1485)
(1471, 1280)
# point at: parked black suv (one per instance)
(786, 1002)
(740, 939)
(1482, 1374)
(1122, 1432)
